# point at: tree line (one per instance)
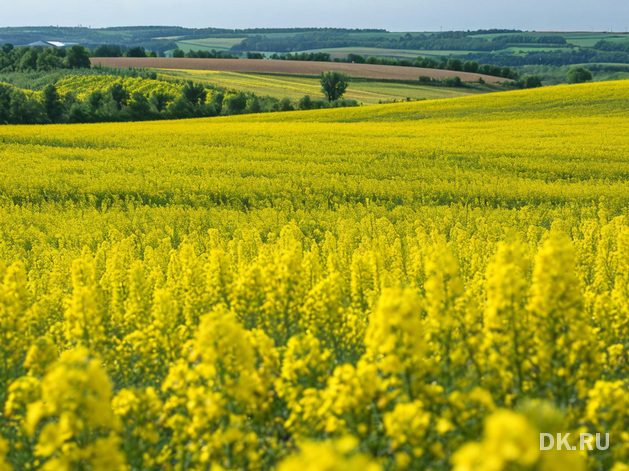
(17, 59)
(18, 106)
(303, 56)
(610, 46)
(116, 50)
(20, 59)
(445, 41)
(552, 58)
(443, 63)
(524, 39)
(200, 54)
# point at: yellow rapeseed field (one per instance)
(423, 286)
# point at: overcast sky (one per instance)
(394, 15)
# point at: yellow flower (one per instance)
(4, 449)
(76, 395)
(329, 456)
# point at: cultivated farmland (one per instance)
(383, 72)
(366, 91)
(343, 52)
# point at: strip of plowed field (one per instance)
(382, 72)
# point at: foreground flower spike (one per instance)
(73, 421)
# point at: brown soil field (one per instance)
(381, 72)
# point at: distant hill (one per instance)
(500, 47)
(155, 38)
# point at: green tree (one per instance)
(286, 105)
(139, 106)
(95, 102)
(305, 103)
(355, 58)
(52, 103)
(5, 104)
(119, 94)
(80, 113)
(455, 64)
(452, 81)
(108, 50)
(470, 66)
(217, 101)
(236, 104)
(529, 81)
(95, 99)
(179, 53)
(49, 60)
(28, 60)
(78, 58)
(334, 85)
(253, 105)
(25, 110)
(195, 93)
(506, 72)
(181, 108)
(160, 101)
(579, 75)
(136, 52)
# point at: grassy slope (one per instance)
(342, 52)
(295, 87)
(559, 103)
(583, 39)
(555, 145)
(552, 75)
(218, 44)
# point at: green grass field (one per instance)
(277, 35)
(295, 87)
(342, 52)
(552, 75)
(590, 39)
(523, 49)
(389, 35)
(218, 44)
(172, 38)
(394, 35)
(581, 39)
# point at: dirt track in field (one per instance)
(382, 72)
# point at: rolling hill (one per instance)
(366, 91)
(424, 285)
(383, 72)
